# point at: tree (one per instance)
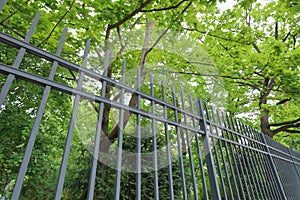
(103, 22)
(256, 48)
(249, 59)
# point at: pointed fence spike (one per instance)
(32, 27)
(2, 4)
(37, 121)
(18, 60)
(67, 148)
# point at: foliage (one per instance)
(255, 71)
(256, 50)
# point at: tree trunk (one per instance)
(264, 121)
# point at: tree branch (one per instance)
(166, 8)
(292, 131)
(276, 31)
(287, 35)
(286, 128)
(93, 105)
(13, 13)
(250, 85)
(133, 101)
(62, 17)
(107, 107)
(256, 47)
(200, 63)
(165, 31)
(127, 17)
(17, 33)
(286, 123)
(214, 35)
(283, 101)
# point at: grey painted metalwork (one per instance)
(232, 161)
(2, 4)
(67, 148)
(98, 132)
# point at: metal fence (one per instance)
(217, 156)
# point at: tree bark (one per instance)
(264, 120)
(133, 101)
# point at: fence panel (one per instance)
(230, 161)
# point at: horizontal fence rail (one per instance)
(197, 151)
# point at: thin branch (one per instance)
(215, 35)
(67, 78)
(256, 47)
(200, 63)
(286, 128)
(12, 14)
(93, 105)
(123, 46)
(259, 74)
(286, 123)
(276, 31)
(9, 16)
(250, 85)
(166, 30)
(51, 32)
(72, 74)
(287, 35)
(127, 17)
(17, 33)
(220, 76)
(294, 41)
(283, 101)
(292, 131)
(166, 8)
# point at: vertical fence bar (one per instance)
(242, 151)
(189, 149)
(257, 164)
(199, 154)
(154, 147)
(222, 156)
(237, 154)
(228, 157)
(38, 118)
(260, 158)
(18, 60)
(215, 150)
(2, 4)
(64, 163)
(251, 162)
(95, 156)
(120, 138)
(273, 167)
(138, 141)
(179, 146)
(271, 175)
(208, 156)
(233, 156)
(168, 151)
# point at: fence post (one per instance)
(212, 175)
(277, 178)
